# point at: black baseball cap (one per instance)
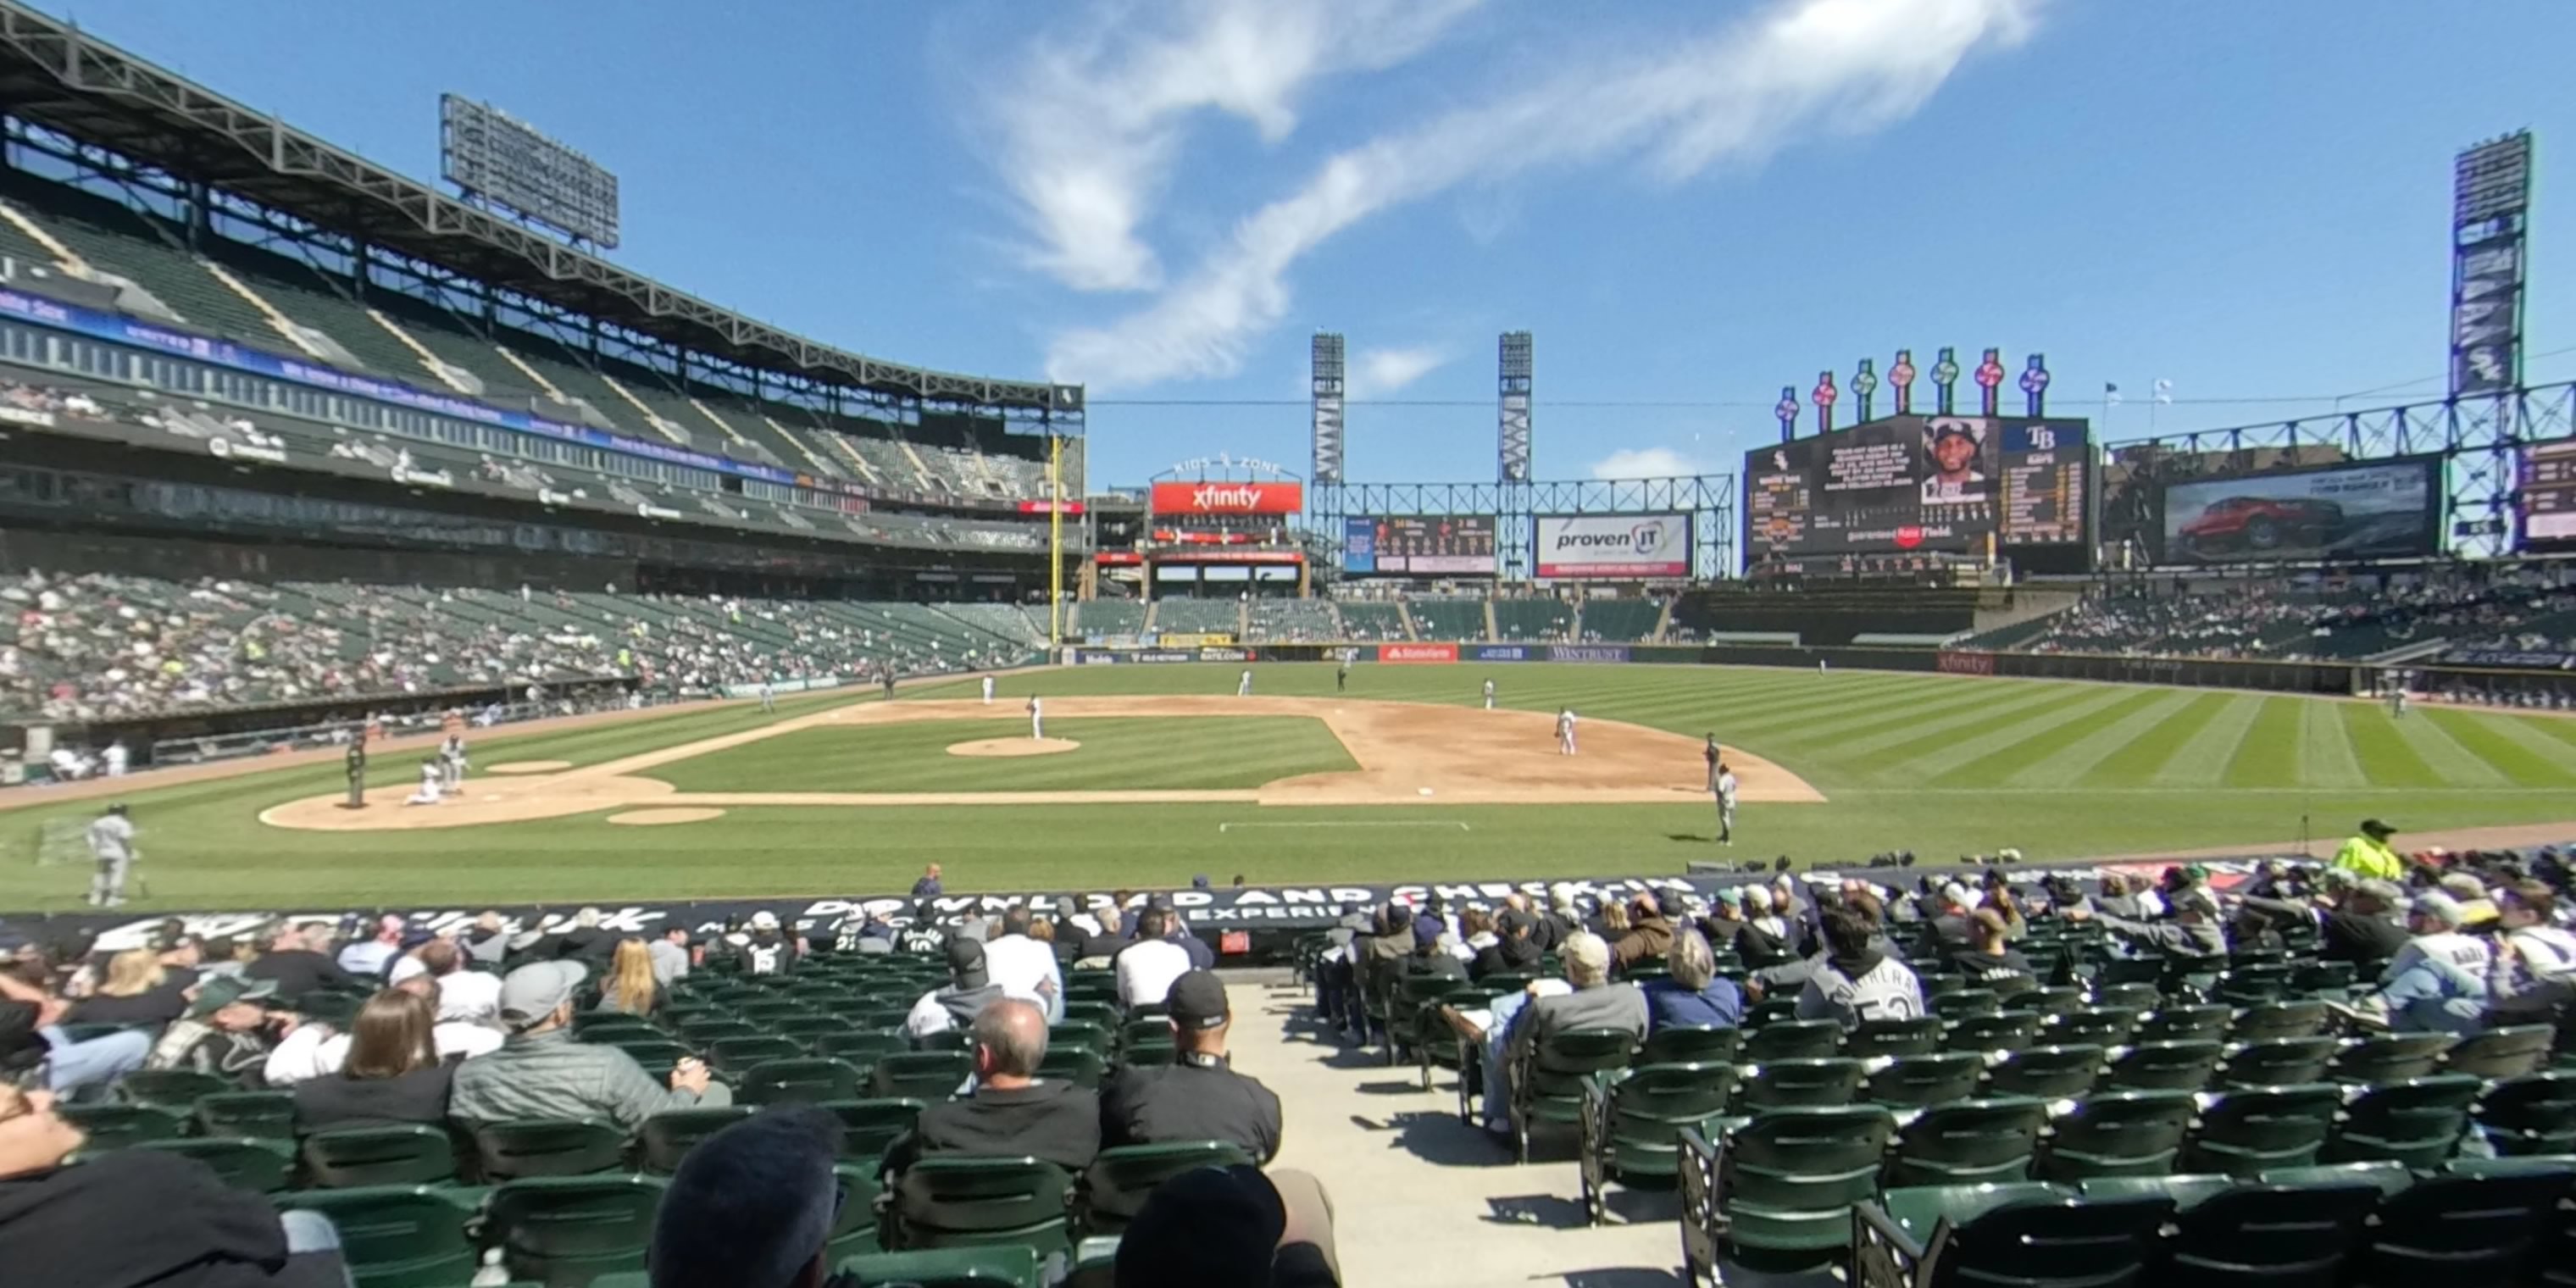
(1197, 1001)
(2376, 828)
(1942, 429)
(1211, 1225)
(965, 955)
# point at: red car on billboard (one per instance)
(2259, 523)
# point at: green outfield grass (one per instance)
(1142, 755)
(1940, 765)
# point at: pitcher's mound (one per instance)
(529, 767)
(656, 817)
(1012, 747)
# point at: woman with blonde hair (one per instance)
(629, 986)
(137, 990)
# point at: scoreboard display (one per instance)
(2549, 495)
(1410, 545)
(1922, 483)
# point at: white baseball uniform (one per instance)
(1725, 789)
(1565, 732)
(1037, 717)
(1243, 687)
(988, 690)
(1489, 695)
(432, 779)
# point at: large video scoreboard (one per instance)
(1419, 545)
(1924, 483)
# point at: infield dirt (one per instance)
(1463, 756)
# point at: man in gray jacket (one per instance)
(1585, 999)
(2193, 931)
(540, 1072)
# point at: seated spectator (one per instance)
(1693, 995)
(488, 940)
(1177, 929)
(752, 1204)
(1147, 967)
(2477, 911)
(766, 950)
(2438, 982)
(1766, 939)
(1233, 1226)
(139, 1218)
(1024, 965)
(1432, 958)
(226, 1031)
(1986, 961)
(955, 1004)
(2193, 931)
(1198, 1096)
(1513, 952)
(1951, 929)
(464, 995)
(370, 958)
(2533, 950)
(1476, 933)
(137, 991)
(317, 1049)
(540, 1072)
(630, 988)
(929, 886)
(1011, 1112)
(588, 941)
(390, 1075)
(291, 964)
(1856, 981)
(180, 954)
(2356, 921)
(1584, 999)
(34, 1044)
(670, 955)
(1649, 936)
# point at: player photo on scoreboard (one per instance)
(1954, 459)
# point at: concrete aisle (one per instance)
(1421, 1200)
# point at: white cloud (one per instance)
(1378, 372)
(1801, 66)
(1091, 121)
(1645, 463)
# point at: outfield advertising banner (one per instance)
(1587, 652)
(1502, 653)
(2385, 508)
(1105, 657)
(1613, 546)
(1228, 498)
(1417, 652)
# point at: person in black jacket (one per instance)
(2357, 925)
(136, 1217)
(1512, 952)
(297, 969)
(1011, 1114)
(392, 1075)
(1198, 1096)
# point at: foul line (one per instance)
(1228, 827)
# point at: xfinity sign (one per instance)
(1605, 547)
(1228, 498)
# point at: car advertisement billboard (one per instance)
(1613, 546)
(1228, 498)
(2380, 510)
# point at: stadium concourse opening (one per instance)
(1408, 754)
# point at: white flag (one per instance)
(2164, 391)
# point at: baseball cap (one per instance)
(532, 992)
(2376, 828)
(223, 990)
(965, 956)
(1211, 1225)
(1197, 1000)
(764, 920)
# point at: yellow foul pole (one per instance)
(1055, 542)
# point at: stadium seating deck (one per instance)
(1102, 617)
(1371, 619)
(1533, 619)
(1295, 621)
(1621, 621)
(1447, 619)
(1199, 616)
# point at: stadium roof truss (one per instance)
(55, 76)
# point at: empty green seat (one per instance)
(571, 1229)
(397, 1236)
(800, 1080)
(2021, 1236)
(1873, 1039)
(1968, 1142)
(353, 1157)
(1690, 1044)
(2268, 1020)
(2418, 1122)
(546, 1147)
(667, 1137)
(2047, 1072)
(1791, 1040)
(921, 1075)
(2501, 1053)
(1787, 1084)
(1994, 1031)
(1080, 1065)
(2276, 1062)
(268, 1115)
(2534, 1114)
(2163, 1066)
(2117, 1133)
(1633, 1119)
(1912, 1081)
(736, 1055)
(972, 1267)
(870, 1127)
(115, 1126)
(2261, 1128)
(1119, 1180)
(169, 1088)
(945, 1201)
(2393, 1057)
(2205, 1022)
(243, 1162)
(2477, 1224)
(2103, 1026)
(1783, 1183)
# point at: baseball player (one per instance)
(111, 842)
(1037, 718)
(889, 684)
(768, 698)
(1243, 687)
(988, 690)
(1565, 732)
(1721, 784)
(432, 780)
(1489, 695)
(451, 758)
(1342, 675)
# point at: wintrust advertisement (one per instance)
(1229, 498)
(1606, 547)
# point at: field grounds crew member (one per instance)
(1342, 674)
(2368, 855)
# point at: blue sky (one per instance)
(1689, 204)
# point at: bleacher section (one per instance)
(1821, 615)
(1621, 621)
(1447, 619)
(1371, 620)
(1533, 619)
(1294, 621)
(1107, 617)
(1199, 616)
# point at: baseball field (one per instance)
(1149, 775)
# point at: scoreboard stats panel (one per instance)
(1931, 483)
(2548, 491)
(1415, 545)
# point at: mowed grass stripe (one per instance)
(1904, 738)
(2512, 757)
(2202, 759)
(2387, 760)
(2078, 761)
(2035, 744)
(2327, 757)
(2268, 754)
(1116, 753)
(2561, 728)
(1914, 704)
(1812, 713)
(2136, 762)
(2452, 764)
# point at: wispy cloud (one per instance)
(1645, 463)
(1378, 372)
(1091, 120)
(1799, 67)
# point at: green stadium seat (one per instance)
(2163, 1066)
(1782, 1184)
(2047, 1072)
(2419, 1123)
(921, 1075)
(2394, 1057)
(358, 1157)
(2269, 1020)
(397, 1236)
(268, 1115)
(2103, 1026)
(1547, 1078)
(735, 1055)
(114, 1126)
(2533, 1114)
(870, 1127)
(1690, 1044)
(2117, 1133)
(571, 1229)
(2205, 1023)
(1874, 1039)
(2260, 1129)
(946, 1201)
(546, 1147)
(1632, 1121)
(804, 1081)
(667, 1137)
(1993, 1031)
(176, 1089)
(2012, 1236)
(243, 1162)
(1800, 1084)
(1791, 1040)
(2501, 1053)
(970, 1267)
(862, 1050)
(1079, 1065)
(2276, 1062)
(1116, 1185)
(1968, 1142)
(2477, 1223)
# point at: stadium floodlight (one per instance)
(1324, 368)
(1512, 410)
(2492, 180)
(497, 159)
